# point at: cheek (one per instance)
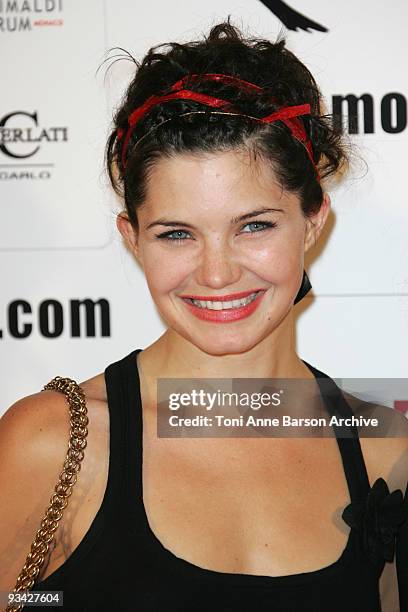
(165, 268)
(277, 259)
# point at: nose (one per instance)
(217, 266)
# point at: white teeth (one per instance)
(225, 305)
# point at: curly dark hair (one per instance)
(269, 65)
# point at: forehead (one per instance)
(220, 179)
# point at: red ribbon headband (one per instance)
(288, 114)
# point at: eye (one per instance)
(170, 236)
(265, 224)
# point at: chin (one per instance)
(217, 344)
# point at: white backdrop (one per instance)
(58, 240)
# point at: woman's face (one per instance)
(215, 225)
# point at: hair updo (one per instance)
(269, 65)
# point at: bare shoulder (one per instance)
(387, 454)
(38, 422)
(34, 436)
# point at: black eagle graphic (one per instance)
(291, 18)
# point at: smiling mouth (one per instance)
(223, 304)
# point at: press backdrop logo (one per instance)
(291, 18)
(52, 318)
(28, 15)
(364, 114)
(22, 137)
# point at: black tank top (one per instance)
(120, 565)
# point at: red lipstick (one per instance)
(227, 315)
(222, 298)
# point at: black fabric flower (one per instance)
(377, 520)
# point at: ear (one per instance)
(129, 233)
(316, 222)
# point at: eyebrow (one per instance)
(248, 215)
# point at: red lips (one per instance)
(229, 315)
(222, 298)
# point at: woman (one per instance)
(219, 149)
